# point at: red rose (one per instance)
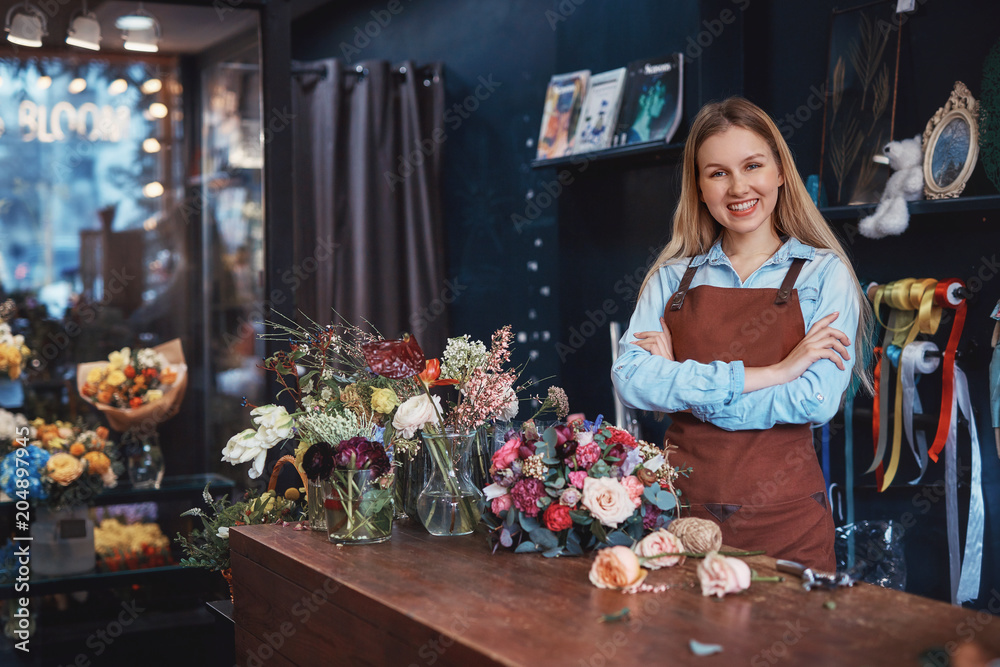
(130, 372)
(136, 402)
(556, 517)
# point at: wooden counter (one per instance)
(422, 600)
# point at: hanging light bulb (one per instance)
(44, 81)
(26, 25)
(77, 85)
(150, 86)
(158, 110)
(140, 30)
(117, 87)
(152, 190)
(151, 145)
(84, 30)
(140, 19)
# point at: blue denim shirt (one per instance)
(713, 392)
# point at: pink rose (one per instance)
(577, 478)
(587, 454)
(720, 575)
(616, 567)
(660, 542)
(507, 454)
(607, 500)
(502, 504)
(634, 488)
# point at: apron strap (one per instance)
(678, 299)
(789, 282)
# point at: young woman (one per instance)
(745, 331)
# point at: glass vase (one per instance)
(411, 476)
(449, 504)
(358, 509)
(314, 505)
(144, 459)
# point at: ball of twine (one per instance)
(698, 535)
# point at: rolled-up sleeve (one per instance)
(814, 397)
(646, 381)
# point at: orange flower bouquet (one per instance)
(136, 390)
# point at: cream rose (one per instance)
(384, 400)
(616, 567)
(115, 378)
(63, 468)
(95, 376)
(274, 424)
(720, 575)
(660, 542)
(247, 446)
(509, 410)
(607, 500)
(153, 395)
(414, 414)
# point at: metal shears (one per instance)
(812, 579)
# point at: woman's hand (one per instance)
(657, 342)
(821, 342)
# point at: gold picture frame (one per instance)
(951, 145)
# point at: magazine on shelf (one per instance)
(562, 109)
(652, 102)
(599, 113)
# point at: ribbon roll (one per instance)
(946, 296)
(913, 361)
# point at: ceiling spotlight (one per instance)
(151, 86)
(77, 85)
(158, 110)
(25, 25)
(142, 40)
(117, 87)
(84, 30)
(140, 19)
(151, 145)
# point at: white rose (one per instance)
(274, 424)
(415, 413)
(223, 532)
(608, 500)
(245, 446)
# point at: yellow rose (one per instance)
(95, 376)
(117, 361)
(63, 468)
(384, 400)
(116, 377)
(153, 395)
(98, 462)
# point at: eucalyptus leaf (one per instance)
(511, 517)
(617, 538)
(649, 493)
(505, 538)
(529, 523)
(544, 538)
(598, 530)
(581, 518)
(665, 501)
(553, 552)
(526, 547)
(550, 461)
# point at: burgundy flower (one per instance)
(395, 359)
(565, 442)
(652, 514)
(347, 454)
(616, 453)
(374, 458)
(525, 493)
(526, 449)
(318, 461)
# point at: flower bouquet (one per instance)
(577, 486)
(13, 352)
(449, 504)
(136, 390)
(357, 488)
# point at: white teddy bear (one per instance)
(891, 216)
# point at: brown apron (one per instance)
(764, 487)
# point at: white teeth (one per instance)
(745, 206)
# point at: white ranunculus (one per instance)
(274, 424)
(509, 410)
(415, 413)
(246, 446)
(223, 532)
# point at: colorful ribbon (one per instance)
(946, 296)
(964, 585)
(913, 362)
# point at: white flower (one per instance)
(109, 478)
(509, 410)
(274, 424)
(246, 446)
(414, 414)
(223, 532)
(494, 491)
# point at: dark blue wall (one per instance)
(592, 238)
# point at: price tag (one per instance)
(903, 6)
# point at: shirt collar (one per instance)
(792, 248)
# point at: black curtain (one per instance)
(369, 234)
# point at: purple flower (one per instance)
(347, 454)
(361, 454)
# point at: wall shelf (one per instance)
(922, 207)
(655, 150)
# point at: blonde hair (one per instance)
(795, 214)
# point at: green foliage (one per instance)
(207, 548)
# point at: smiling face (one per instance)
(738, 179)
